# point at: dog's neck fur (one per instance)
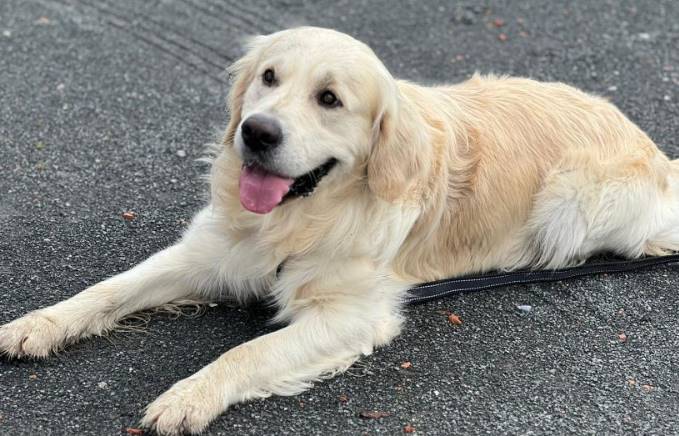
(319, 223)
(444, 195)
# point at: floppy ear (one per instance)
(241, 74)
(401, 158)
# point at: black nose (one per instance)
(261, 133)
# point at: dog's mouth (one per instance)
(261, 190)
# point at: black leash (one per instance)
(446, 287)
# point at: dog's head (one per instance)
(311, 103)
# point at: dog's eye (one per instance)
(328, 99)
(269, 77)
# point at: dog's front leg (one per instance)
(330, 329)
(200, 263)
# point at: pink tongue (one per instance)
(261, 191)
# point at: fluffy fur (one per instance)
(492, 173)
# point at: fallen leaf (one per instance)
(129, 215)
(631, 382)
(134, 431)
(343, 399)
(454, 319)
(622, 337)
(523, 34)
(647, 388)
(33, 376)
(43, 20)
(373, 414)
(503, 37)
(408, 429)
(406, 365)
(498, 22)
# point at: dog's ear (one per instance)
(401, 158)
(241, 74)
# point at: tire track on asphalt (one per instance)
(247, 16)
(219, 15)
(239, 7)
(186, 37)
(175, 49)
(156, 34)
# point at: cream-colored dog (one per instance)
(337, 187)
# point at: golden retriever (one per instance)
(336, 188)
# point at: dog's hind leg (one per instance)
(665, 239)
(588, 205)
(202, 262)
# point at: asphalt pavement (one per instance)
(105, 107)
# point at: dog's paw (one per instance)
(187, 407)
(33, 335)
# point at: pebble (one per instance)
(524, 307)
(612, 88)
(468, 18)
(181, 153)
(102, 385)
